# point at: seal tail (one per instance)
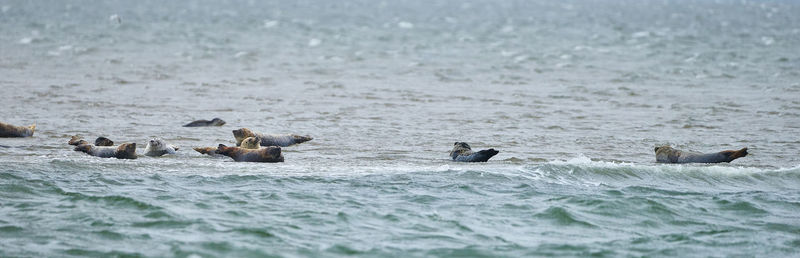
(739, 153)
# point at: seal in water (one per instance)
(267, 154)
(462, 152)
(247, 143)
(123, 151)
(281, 140)
(103, 141)
(100, 141)
(666, 154)
(157, 147)
(199, 123)
(8, 130)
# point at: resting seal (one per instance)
(248, 143)
(268, 154)
(123, 151)
(8, 130)
(281, 140)
(103, 141)
(199, 123)
(157, 147)
(100, 141)
(666, 154)
(462, 152)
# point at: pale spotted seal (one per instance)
(666, 154)
(157, 147)
(281, 140)
(462, 152)
(8, 130)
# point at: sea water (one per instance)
(574, 94)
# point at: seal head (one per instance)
(126, 151)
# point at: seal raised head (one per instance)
(666, 154)
(462, 152)
(199, 123)
(157, 147)
(123, 151)
(8, 130)
(77, 140)
(281, 140)
(267, 154)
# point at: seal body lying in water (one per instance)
(462, 152)
(200, 123)
(8, 130)
(100, 141)
(247, 143)
(123, 151)
(266, 154)
(157, 147)
(281, 140)
(666, 154)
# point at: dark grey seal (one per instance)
(462, 152)
(666, 154)
(199, 123)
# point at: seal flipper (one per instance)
(206, 150)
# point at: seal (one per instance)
(9, 130)
(103, 141)
(281, 140)
(462, 152)
(77, 140)
(267, 154)
(123, 151)
(666, 154)
(200, 123)
(100, 141)
(247, 143)
(157, 147)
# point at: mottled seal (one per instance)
(281, 140)
(199, 123)
(77, 140)
(462, 152)
(123, 151)
(103, 141)
(8, 130)
(100, 141)
(157, 147)
(247, 143)
(666, 154)
(266, 154)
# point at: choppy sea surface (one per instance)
(574, 94)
